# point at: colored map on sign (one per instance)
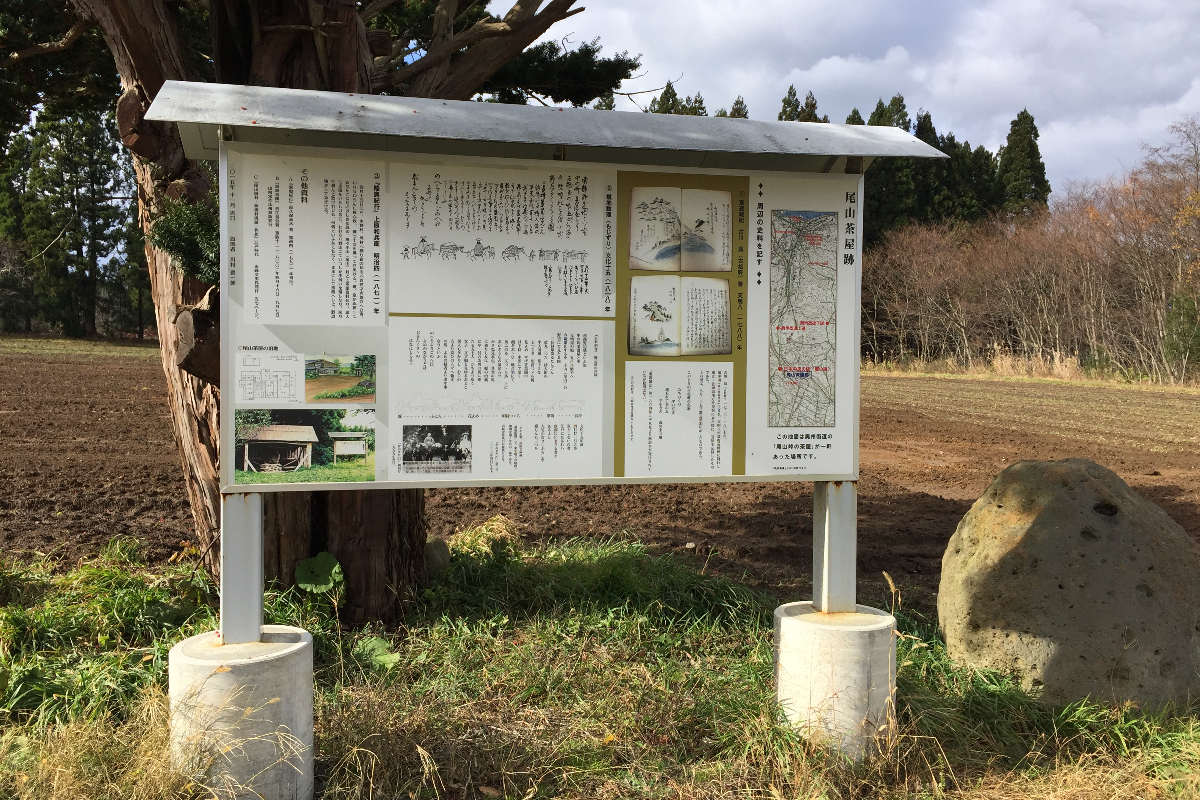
(803, 334)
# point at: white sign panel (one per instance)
(394, 321)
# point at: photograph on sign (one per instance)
(304, 446)
(436, 449)
(339, 379)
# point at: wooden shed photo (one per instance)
(279, 448)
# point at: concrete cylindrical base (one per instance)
(243, 713)
(835, 674)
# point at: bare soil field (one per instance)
(86, 453)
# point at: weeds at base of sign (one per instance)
(569, 668)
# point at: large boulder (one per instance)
(1064, 575)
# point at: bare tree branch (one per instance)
(66, 41)
(462, 12)
(443, 21)
(376, 8)
(481, 62)
(436, 55)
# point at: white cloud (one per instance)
(1100, 76)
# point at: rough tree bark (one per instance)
(379, 536)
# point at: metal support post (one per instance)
(835, 535)
(241, 568)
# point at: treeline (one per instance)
(72, 257)
(1106, 275)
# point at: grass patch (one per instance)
(85, 643)
(592, 669)
(46, 346)
(343, 472)
(338, 394)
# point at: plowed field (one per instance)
(86, 453)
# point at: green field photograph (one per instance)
(304, 446)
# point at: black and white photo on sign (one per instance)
(436, 448)
(674, 230)
(672, 315)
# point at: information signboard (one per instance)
(485, 321)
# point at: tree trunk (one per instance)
(378, 535)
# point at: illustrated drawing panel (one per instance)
(705, 241)
(654, 318)
(654, 228)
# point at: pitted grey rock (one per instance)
(1063, 574)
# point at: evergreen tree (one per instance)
(605, 103)
(548, 70)
(666, 103)
(73, 225)
(669, 102)
(808, 112)
(930, 191)
(739, 109)
(693, 106)
(1022, 172)
(17, 307)
(795, 111)
(791, 106)
(983, 174)
(889, 184)
(895, 114)
(408, 47)
(129, 305)
(967, 186)
(721, 112)
(855, 118)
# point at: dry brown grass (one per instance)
(1001, 364)
(95, 758)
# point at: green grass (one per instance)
(16, 344)
(346, 471)
(88, 641)
(577, 668)
(337, 394)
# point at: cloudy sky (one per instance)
(1101, 77)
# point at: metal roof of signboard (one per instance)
(451, 127)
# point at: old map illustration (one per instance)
(803, 319)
